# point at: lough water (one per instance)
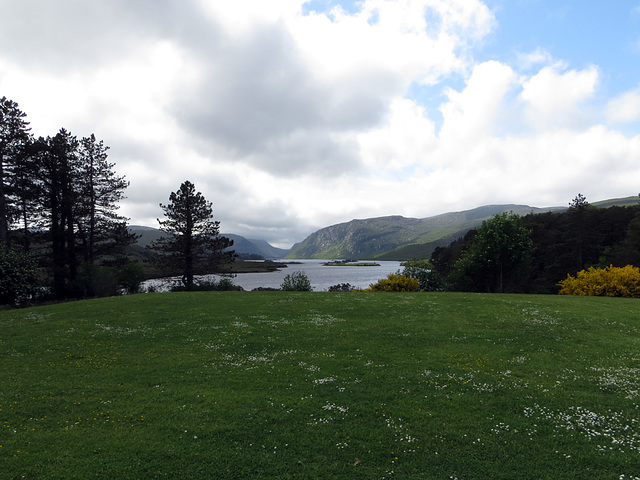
(321, 277)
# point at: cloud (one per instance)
(474, 111)
(401, 142)
(539, 56)
(555, 98)
(77, 36)
(624, 108)
(279, 100)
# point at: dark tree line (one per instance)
(562, 243)
(59, 201)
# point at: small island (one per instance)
(252, 266)
(350, 263)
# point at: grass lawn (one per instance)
(235, 385)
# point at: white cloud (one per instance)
(555, 99)
(401, 142)
(473, 113)
(624, 108)
(400, 40)
(533, 59)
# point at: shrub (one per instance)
(130, 277)
(341, 287)
(395, 282)
(423, 271)
(605, 282)
(18, 277)
(223, 285)
(226, 285)
(296, 282)
(94, 281)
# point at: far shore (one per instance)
(351, 264)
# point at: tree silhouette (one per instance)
(193, 243)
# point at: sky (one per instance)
(293, 115)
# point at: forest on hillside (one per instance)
(562, 243)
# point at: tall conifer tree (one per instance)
(14, 136)
(193, 242)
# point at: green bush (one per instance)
(223, 285)
(423, 271)
(18, 277)
(130, 276)
(296, 282)
(395, 282)
(94, 281)
(604, 282)
(341, 287)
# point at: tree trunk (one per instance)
(4, 210)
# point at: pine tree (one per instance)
(77, 200)
(56, 162)
(193, 242)
(14, 136)
(101, 230)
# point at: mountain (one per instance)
(618, 202)
(242, 246)
(247, 246)
(396, 237)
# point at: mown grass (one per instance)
(235, 385)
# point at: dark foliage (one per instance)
(192, 243)
(18, 277)
(14, 136)
(564, 243)
(223, 285)
(496, 258)
(58, 200)
(130, 276)
(424, 272)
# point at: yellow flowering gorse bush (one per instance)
(395, 283)
(604, 282)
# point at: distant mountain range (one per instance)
(243, 246)
(400, 238)
(382, 238)
(396, 237)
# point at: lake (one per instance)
(321, 277)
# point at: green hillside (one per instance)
(374, 237)
(620, 202)
(400, 238)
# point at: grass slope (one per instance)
(316, 385)
(620, 202)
